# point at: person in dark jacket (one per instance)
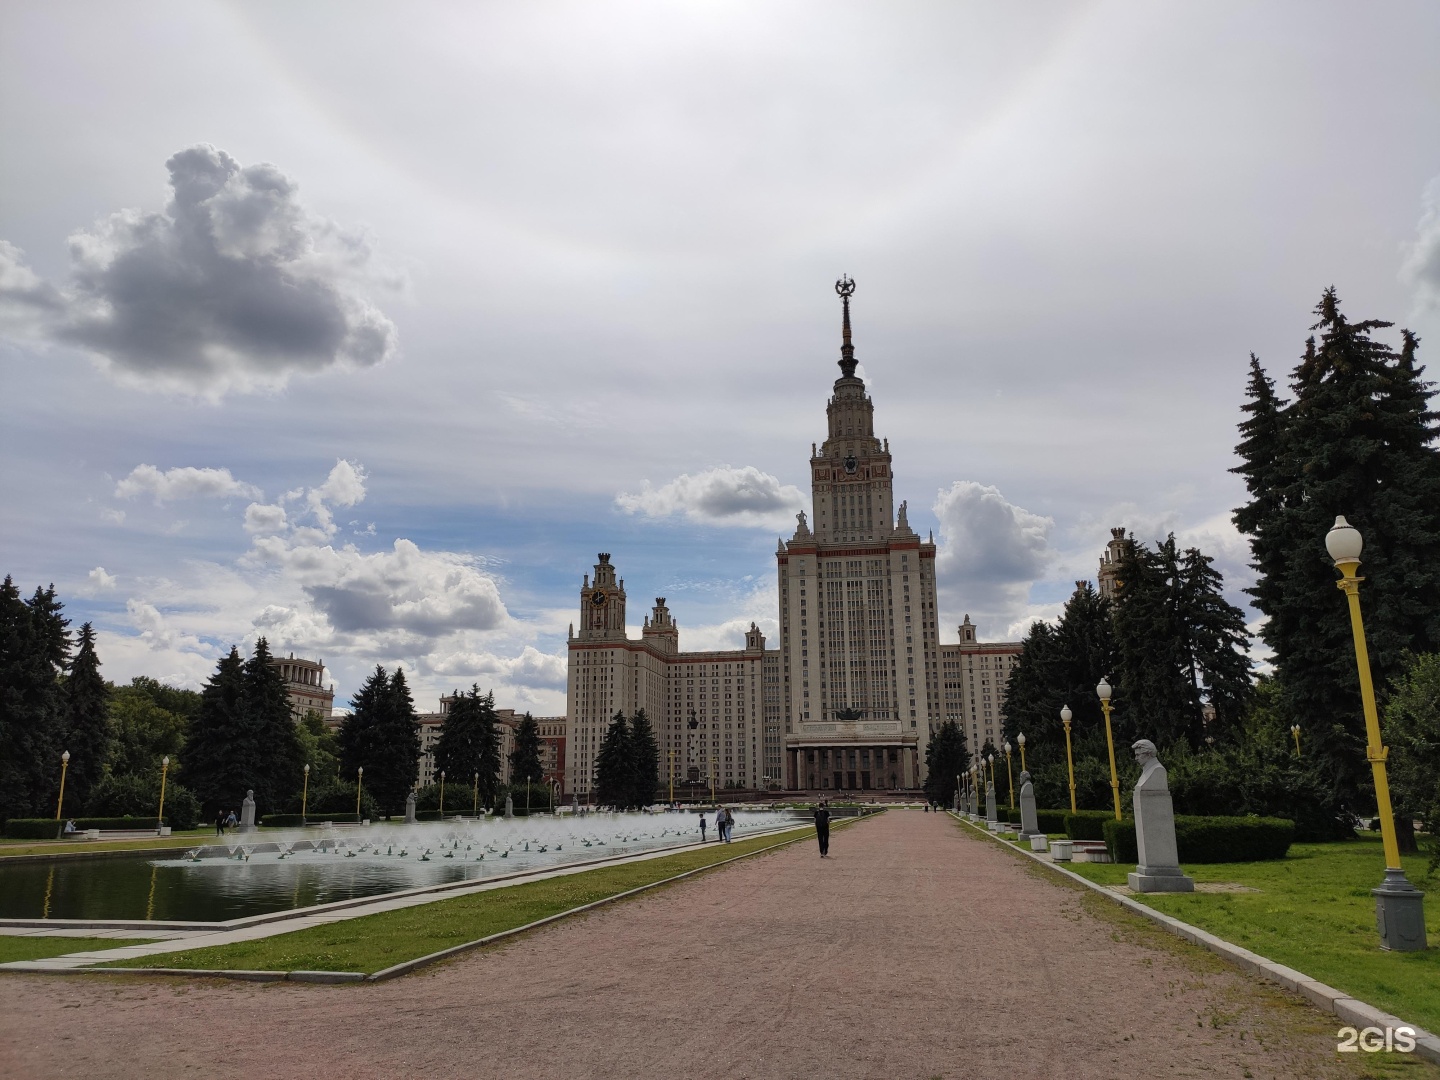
(822, 828)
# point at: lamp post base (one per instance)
(1399, 913)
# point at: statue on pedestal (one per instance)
(990, 814)
(247, 812)
(1159, 869)
(1029, 819)
(509, 808)
(410, 809)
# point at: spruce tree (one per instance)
(1357, 439)
(267, 709)
(222, 752)
(613, 763)
(30, 709)
(525, 765)
(645, 761)
(397, 743)
(469, 742)
(89, 735)
(945, 760)
(359, 745)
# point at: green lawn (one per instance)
(373, 942)
(84, 847)
(37, 948)
(1314, 913)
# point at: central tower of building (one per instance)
(859, 648)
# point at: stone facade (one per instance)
(305, 685)
(974, 675)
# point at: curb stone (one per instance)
(1337, 1003)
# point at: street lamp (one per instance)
(442, 794)
(160, 817)
(1021, 740)
(475, 810)
(305, 795)
(1103, 691)
(359, 783)
(1399, 906)
(64, 765)
(1295, 731)
(1010, 774)
(1065, 716)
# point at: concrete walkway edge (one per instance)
(1341, 1005)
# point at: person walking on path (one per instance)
(822, 828)
(220, 823)
(729, 824)
(702, 828)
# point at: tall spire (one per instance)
(844, 287)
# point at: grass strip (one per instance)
(86, 847)
(371, 943)
(14, 948)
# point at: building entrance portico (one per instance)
(859, 755)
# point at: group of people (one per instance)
(225, 821)
(724, 825)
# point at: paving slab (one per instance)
(917, 950)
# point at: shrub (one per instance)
(282, 821)
(1051, 822)
(540, 795)
(1210, 839)
(138, 796)
(335, 801)
(1087, 824)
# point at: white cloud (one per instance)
(234, 286)
(990, 553)
(114, 517)
(720, 496)
(99, 579)
(264, 518)
(1421, 270)
(182, 483)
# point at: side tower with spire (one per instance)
(859, 647)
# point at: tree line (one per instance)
(238, 734)
(1357, 438)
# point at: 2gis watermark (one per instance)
(1373, 1039)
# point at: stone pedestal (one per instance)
(1061, 850)
(1159, 869)
(410, 809)
(247, 813)
(990, 814)
(974, 803)
(1029, 820)
(1399, 913)
(1039, 842)
(509, 808)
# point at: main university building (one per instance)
(860, 679)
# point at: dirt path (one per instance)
(915, 951)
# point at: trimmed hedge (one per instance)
(281, 821)
(47, 828)
(1210, 839)
(1051, 822)
(1087, 824)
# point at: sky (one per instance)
(364, 327)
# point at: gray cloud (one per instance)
(1421, 270)
(991, 552)
(719, 496)
(235, 285)
(182, 483)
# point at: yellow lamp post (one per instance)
(359, 784)
(671, 769)
(305, 795)
(1103, 691)
(64, 765)
(475, 809)
(1010, 774)
(160, 816)
(442, 793)
(1295, 731)
(713, 769)
(1065, 717)
(1021, 740)
(1399, 906)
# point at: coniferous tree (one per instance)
(397, 742)
(613, 763)
(945, 760)
(222, 752)
(645, 758)
(1357, 439)
(359, 741)
(268, 711)
(88, 730)
(525, 765)
(30, 707)
(469, 742)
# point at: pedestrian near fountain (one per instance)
(702, 828)
(729, 824)
(822, 828)
(220, 823)
(231, 820)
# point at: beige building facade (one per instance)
(305, 686)
(974, 675)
